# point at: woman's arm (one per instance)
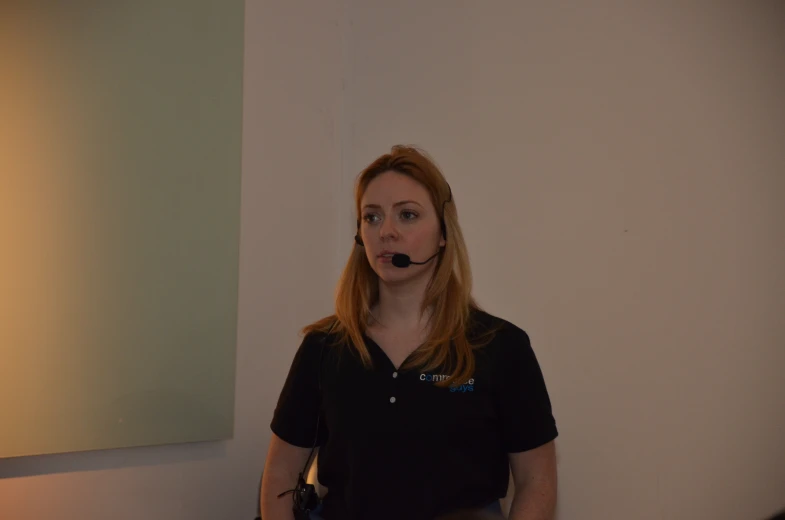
(534, 475)
(284, 463)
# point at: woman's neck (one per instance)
(400, 306)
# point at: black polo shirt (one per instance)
(395, 446)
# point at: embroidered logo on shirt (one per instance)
(468, 386)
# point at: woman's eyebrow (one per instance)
(401, 203)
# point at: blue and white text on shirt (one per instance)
(468, 386)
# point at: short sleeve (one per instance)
(522, 399)
(299, 404)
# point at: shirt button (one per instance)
(392, 399)
(395, 374)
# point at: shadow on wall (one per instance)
(117, 458)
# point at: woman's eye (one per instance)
(405, 215)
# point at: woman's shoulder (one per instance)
(509, 352)
(322, 338)
(314, 336)
(496, 329)
(320, 330)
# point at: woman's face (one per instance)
(397, 216)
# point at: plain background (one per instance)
(619, 172)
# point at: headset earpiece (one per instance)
(444, 225)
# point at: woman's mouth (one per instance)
(386, 257)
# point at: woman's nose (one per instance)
(388, 228)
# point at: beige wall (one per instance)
(619, 176)
(619, 172)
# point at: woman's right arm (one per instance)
(284, 463)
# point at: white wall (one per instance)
(619, 171)
(291, 201)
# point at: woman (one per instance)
(419, 401)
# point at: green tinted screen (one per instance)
(119, 222)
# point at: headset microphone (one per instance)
(402, 260)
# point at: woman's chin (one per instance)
(390, 274)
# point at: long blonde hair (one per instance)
(449, 293)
